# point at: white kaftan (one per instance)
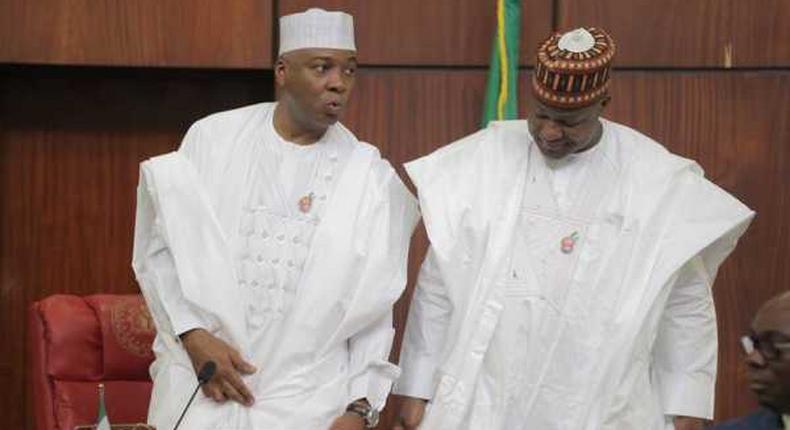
(508, 330)
(294, 255)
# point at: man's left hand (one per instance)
(348, 421)
(689, 423)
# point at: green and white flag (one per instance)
(102, 422)
(502, 88)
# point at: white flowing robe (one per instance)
(318, 327)
(506, 331)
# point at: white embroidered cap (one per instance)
(317, 28)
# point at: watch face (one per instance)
(372, 420)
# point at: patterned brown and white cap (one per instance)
(572, 70)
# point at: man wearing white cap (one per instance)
(568, 283)
(274, 243)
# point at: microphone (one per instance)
(206, 372)
(204, 375)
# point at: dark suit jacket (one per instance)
(763, 419)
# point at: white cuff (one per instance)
(686, 395)
(417, 379)
(184, 319)
(374, 384)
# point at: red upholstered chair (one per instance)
(78, 342)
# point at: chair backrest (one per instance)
(76, 343)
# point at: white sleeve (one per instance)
(371, 372)
(686, 348)
(180, 313)
(156, 272)
(426, 332)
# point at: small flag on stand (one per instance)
(102, 422)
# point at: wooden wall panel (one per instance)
(438, 32)
(760, 33)
(678, 33)
(410, 113)
(198, 33)
(736, 126)
(70, 144)
(8, 403)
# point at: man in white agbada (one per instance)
(568, 282)
(274, 243)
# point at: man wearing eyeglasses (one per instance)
(768, 363)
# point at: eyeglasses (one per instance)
(770, 344)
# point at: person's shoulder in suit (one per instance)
(759, 420)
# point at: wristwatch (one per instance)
(367, 412)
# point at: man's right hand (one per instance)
(226, 384)
(410, 415)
